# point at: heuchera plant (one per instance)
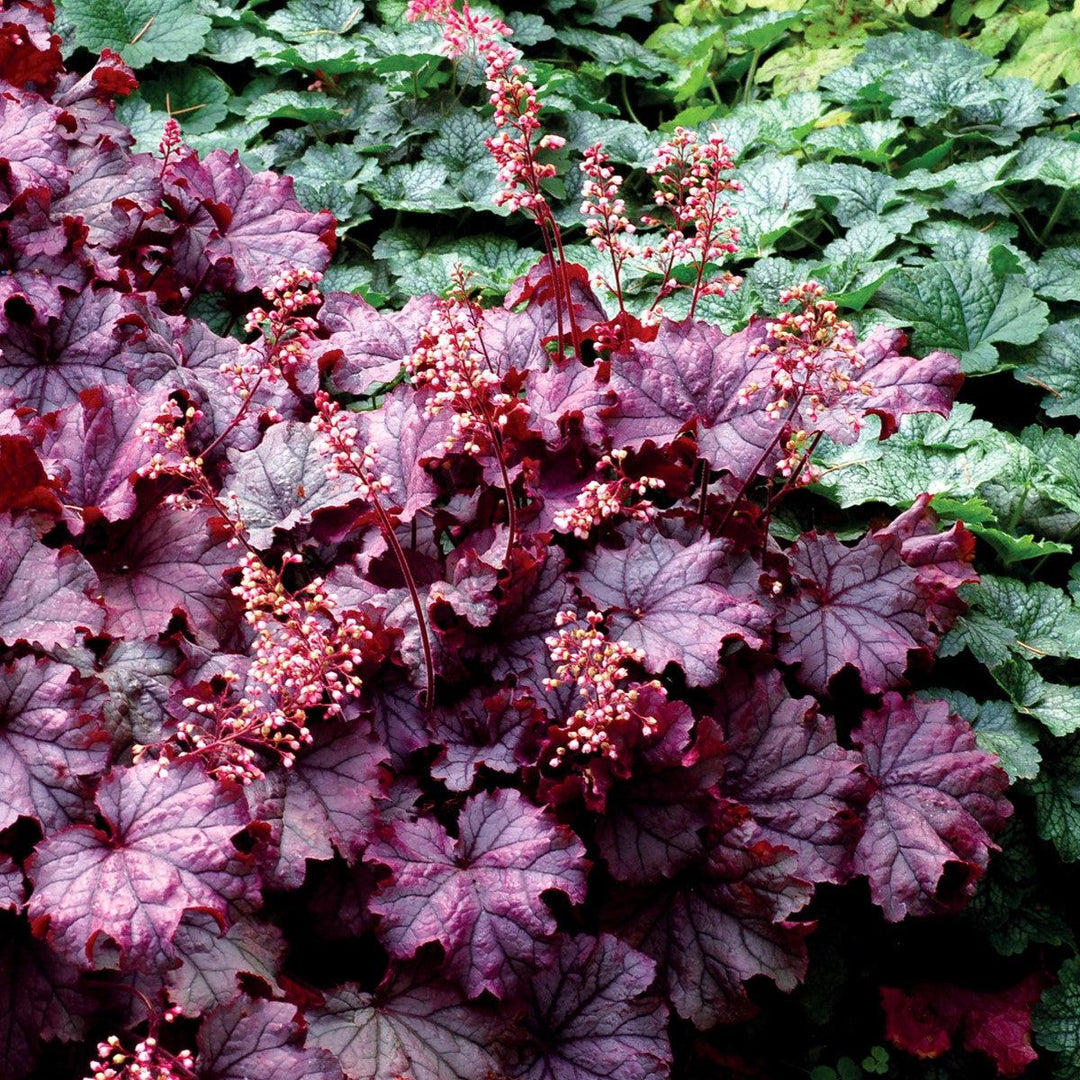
(455, 637)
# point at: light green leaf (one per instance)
(964, 307)
(139, 30)
(1055, 366)
(1055, 705)
(866, 141)
(191, 93)
(1008, 617)
(772, 200)
(1053, 161)
(420, 186)
(302, 20)
(802, 67)
(1013, 549)
(998, 729)
(618, 53)
(294, 105)
(949, 456)
(1056, 276)
(1051, 53)
(1057, 799)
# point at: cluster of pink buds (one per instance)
(305, 658)
(463, 31)
(148, 1061)
(601, 500)
(690, 189)
(338, 438)
(517, 111)
(450, 361)
(795, 465)
(171, 140)
(586, 659)
(606, 223)
(286, 334)
(814, 357)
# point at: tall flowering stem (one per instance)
(606, 225)
(340, 439)
(450, 362)
(515, 148)
(815, 367)
(690, 194)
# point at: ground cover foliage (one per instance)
(818, 813)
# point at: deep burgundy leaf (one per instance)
(666, 600)
(45, 595)
(716, 926)
(283, 481)
(690, 376)
(934, 797)
(168, 563)
(34, 154)
(478, 896)
(365, 347)
(247, 225)
(924, 1021)
(48, 368)
(51, 734)
(249, 1038)
(783, 763)
(397, 719)
(39, 999)
(29, 51)
(412, 1026)
(24, 484)
(589, 1017)
(95, 451)
(325, 802)
(168, 849)
(862, 606)
(111, 190)
(483, 731)
(652, 823)
(213, 962)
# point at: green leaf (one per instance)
(1055, 366)
(1009, 617)
(139, 30)
(949, 456)
(1055, 162)
(1051, 53)
(999, 729)
(294, 105)
(1054, 705)
(964, 307)
(1013, 549)
(618, 53)
(191, 93)
(420, 186)
(302, 20)
(1056, 276)
(1057, 799)
(772, 200)
(802, 67)
(866, 141)
(1056, 1020)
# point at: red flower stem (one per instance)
(414, 593)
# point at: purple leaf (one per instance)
(325, 802)
(934, 797)
(48, 366)
(249, 226)
(283, 481)
(247, 1039)
(691, 376)
(667, 601)
(367, 348)
(39, 1000)
(479, 895)
(651, 824)
(783, 763)
(12, 886)
(51, 735)
(862, 606)
(483, 731)
(412, 1026)
(34, 155)
(589, 1019)
(168, 563)
(167, 849)
(556, 395)
(713, 928)
(212, 962)
(45, 595)
(94, 451)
